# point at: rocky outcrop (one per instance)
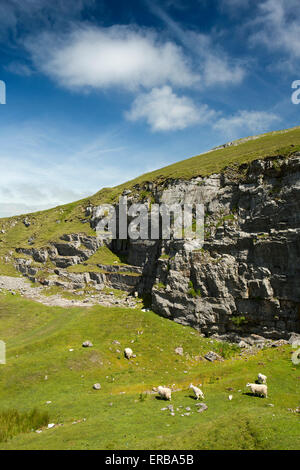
(244, 279)
(73, 249)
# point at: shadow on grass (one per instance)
(249, 394)
(192, 396)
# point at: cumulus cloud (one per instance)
(120, 56)
(163, 110)
(245, 121)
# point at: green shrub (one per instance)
(226, 350)
(239, 320)
(194, 293)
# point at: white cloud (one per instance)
(116, 56)
(165, 111)
(246, 121)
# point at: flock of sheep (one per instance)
(166, 392)
(259, 388)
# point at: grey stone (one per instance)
(213, 356)
(201, 407)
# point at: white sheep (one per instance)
(164, 392)
(198, 393)
(256, 389)
(128, 353)
(262, 379)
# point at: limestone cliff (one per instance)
(243, 280)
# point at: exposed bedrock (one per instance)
(245, 278)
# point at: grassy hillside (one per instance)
(50, 224)
(121, 415)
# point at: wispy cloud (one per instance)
(19, 68)
(210, 60)
(244, 122)
(278, 28)
(30, 15)
(165, 111)
(44, 166)
(234, 4)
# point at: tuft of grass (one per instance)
(159, 285)
(192, 291)
(239, 320)
(12, 422)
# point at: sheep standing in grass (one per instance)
(262, 379)
(164, 392)
(128, 353)
(198, 393)
(256, 389)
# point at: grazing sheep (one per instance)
(128, 353)
(262, 379)
(164, 392)
(198, 393)
(261, 390)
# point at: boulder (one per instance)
(213, 356)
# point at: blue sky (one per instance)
(99, 92)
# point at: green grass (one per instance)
(7, 269)
(67, 294)
(105, 256)
(38, 341)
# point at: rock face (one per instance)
(245, 278)
(243, 281)
(74, 249)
